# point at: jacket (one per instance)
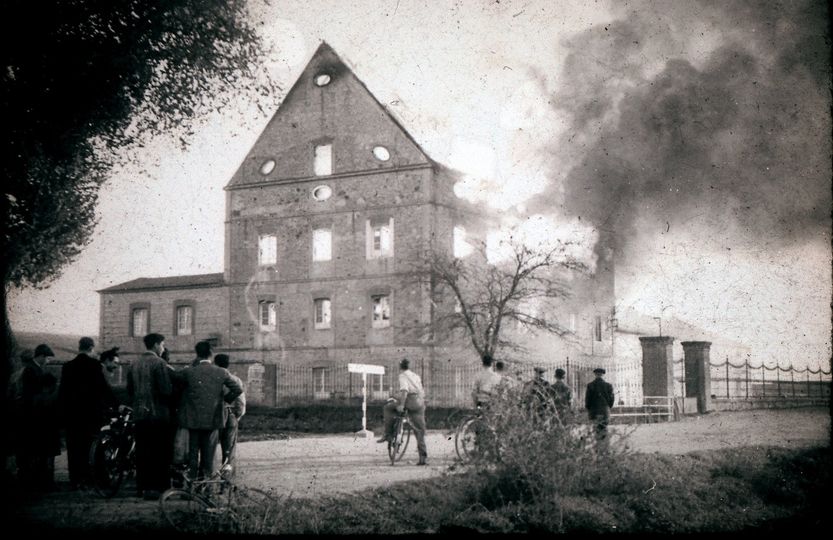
(149, 387)
(599, 397)
(203, 402)
(84, 396)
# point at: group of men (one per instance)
(181, 416)
(598, 397)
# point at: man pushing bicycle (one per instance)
(411, 395)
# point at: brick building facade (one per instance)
(329, 220)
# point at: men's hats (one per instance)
(560, 373)
(43, 350)
(599, 370)
(539, 369)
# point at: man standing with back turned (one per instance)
(149, 388)
(203, 410)
(84, 398)
(598, 400)
(411, 395)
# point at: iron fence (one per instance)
(747, 381)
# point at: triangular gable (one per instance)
(342, 113)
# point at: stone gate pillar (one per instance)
(657, 366)
(698, 380)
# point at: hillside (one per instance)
(64, 346)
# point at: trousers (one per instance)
(79, 441)
(228, 438)
(154, 450)
(416, 412)
(202, 445)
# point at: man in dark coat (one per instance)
(598, 401)
(149, 388)
(203, 408)
(34, 420)
(85, 399)
(562, 396)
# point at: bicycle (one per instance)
(401, 437)
(216, 505)
(471, 436)
(112, 454)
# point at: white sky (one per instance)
(470, 81)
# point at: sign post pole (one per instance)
(364, 369)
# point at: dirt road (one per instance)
(314, 466)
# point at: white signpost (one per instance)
(364, 369)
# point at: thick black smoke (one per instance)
(741, 136)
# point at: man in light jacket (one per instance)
(411, 395)
(203, 409)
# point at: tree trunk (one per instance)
(9, 346)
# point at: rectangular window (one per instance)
(323, 160)
(380, 239)
(322, 245)
(461, 247)
(140, 322)
(381, 311)
(376, 387)
(321, 383)
(597, 329)
(184, 320)
(268, 316)
(322, 313)
(267, 249)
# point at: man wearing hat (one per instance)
(36, 436)
(598, 400)
(562, 395)
(537, 392)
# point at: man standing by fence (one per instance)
(561, 395)
(598, 401)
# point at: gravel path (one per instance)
(312, 466)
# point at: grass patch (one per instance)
(710, 491)
(260, 422)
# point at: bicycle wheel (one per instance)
(466, 444)
(395, 444)
(106, 463)
(405, 439)
(192, 513)
(458, 435)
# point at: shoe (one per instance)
(422, 461)
(382, 440)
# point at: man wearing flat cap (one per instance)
(598, 401)
(34, 424)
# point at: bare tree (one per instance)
(490, 295)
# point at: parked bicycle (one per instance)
(112, 454)
(474, 437)
(401, 437)
(217, 505)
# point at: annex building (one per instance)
(329, 222)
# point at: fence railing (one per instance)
(746, 381)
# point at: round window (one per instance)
(268, 166)
(381, 153)
(321, 193)
(322, 79)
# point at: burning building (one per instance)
(330, 220)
